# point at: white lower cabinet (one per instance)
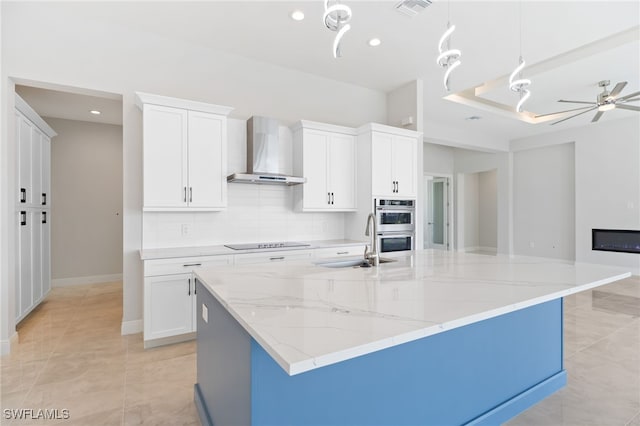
(323, 253)
(170, 296)
(272, 256)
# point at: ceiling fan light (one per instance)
(606, 107)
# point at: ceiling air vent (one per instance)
(412, 7)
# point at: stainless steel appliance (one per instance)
(395, 221)
(266, 246)
(263, 155)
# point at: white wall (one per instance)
(607, 182)
(45, 42)
(406, 102)
(487, 210)
(544, 202)
(471, 217)
(86, 200)
(438, 159)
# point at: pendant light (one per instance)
(336, 18)
(520, 84)
(449, 59)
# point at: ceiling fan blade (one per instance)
(631, 95)
(617, 89)
(627, 100)
(577, 102)
(629, 107)
(575, 115)
(597, 116)
(561, 112)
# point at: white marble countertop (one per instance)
(172, 252)
(307, 316)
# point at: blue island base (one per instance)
(480, 374)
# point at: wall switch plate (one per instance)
(205, 313)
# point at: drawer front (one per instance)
(339, 251)
(272, 256)
(183, 265)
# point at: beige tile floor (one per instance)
(71, 356)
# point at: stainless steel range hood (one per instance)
(263, 147)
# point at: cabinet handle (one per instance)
(44, 199)
(277, 258)
(394, 186)
(190, 194)
(195, 289)
(328, 198)
(189, 287)
(192, 264)
(342, 252)
(184, 197)
(332, 198)
(44, 217)
(397, 186)
(23, 195)
(23, 218)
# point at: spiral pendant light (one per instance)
(336, 18)
(520, 85)
(448, 58)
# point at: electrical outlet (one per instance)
(205, 313)
(185, 228)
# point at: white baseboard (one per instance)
(94, 279)
(5, 345)
(131, 327)
(478, 248)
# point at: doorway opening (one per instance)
(438, 224)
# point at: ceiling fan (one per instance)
(606, 101)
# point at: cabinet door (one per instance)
(342, 172)
(164, 157)
(315, 191)
(23, 136)
(382, 179)
(207, 160)
(24, 291)
(404, 165)
(36, 257)
(36, 166)
(45, 250)
(168, 309)
(45, 200)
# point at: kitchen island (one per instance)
(433, 338)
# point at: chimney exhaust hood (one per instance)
(263, 155)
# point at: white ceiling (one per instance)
(487, 33)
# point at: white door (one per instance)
(382, 180)
(46, 171)
(23, 130)
(438, 214)
(207, 161)
(342, 172)
(24, 294)
(404, 166)
(168, 307)
(45, 246)
(165, 157)
(316, 194)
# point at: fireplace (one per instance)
(620, 240)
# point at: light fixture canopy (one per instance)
(95, 112)
(297, 15)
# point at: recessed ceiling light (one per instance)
(95, 112)
(374, 42)
(297, 15)
(474, 117)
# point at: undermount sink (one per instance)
(349, 263)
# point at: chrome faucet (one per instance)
(373, 256)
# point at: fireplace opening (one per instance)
(620, 240)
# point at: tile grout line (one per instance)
(634, 319)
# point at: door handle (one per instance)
(23, 195)
(23, 218)
(44, 199)
(44, 217)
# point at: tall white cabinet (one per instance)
(184, 154)
(33, 209)
(325, 155)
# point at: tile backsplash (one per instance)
(255, 213)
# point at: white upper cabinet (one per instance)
(326, 156)
(184, 154)
(394, 162)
